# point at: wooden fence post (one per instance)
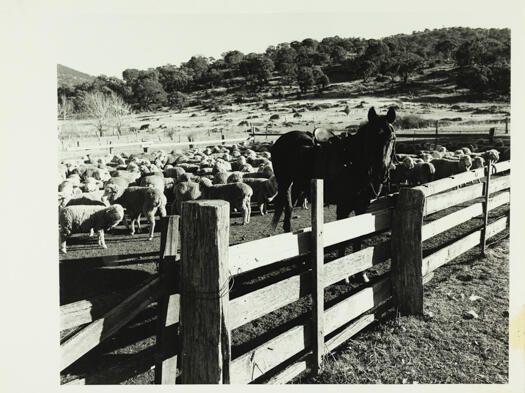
(486, 194)
(506, 125)
(168, 304)
(491, 134)
(205, 332)
(407, 251)
(436, 137)
(317, 273)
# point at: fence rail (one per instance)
(202, 348)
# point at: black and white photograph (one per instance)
(287, 193)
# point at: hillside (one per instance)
(69, 77)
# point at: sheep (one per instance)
(478, 162)
(79, 219)
(86, 198)
(237, 194)
(267, 170)
(446, 167)
(184, 191)
(137, 200)
(153, 181)
(421, 173)
(91, 184)
(221, 177)
(264, 190)
(174, 172)
(130, 176)
(234, 177)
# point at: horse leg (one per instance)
(287, 225)
(281, 200)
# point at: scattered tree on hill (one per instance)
(65, 107)
(97, 106)
(305, 79)
(118, 112)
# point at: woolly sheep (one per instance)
(421, 173)
(221, 177)
(264, 190)
(137, 200)
(446, 167)
(184, 191)
(174, 172)
(237, 194)
(478, 162)
(153, 181)
(234, 177)
(81, 219)
(86, 198)
(91, 184)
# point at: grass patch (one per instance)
(413, 121)
(443, 346)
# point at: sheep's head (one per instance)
(111, 193)
(466, 150)
(408, 162)
(441, 149)
(465, 162)
(491, 155)
(437, 154)
(205, 182)
(168, 183)
(478, 162)
(426, 157)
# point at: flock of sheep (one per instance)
(436, 163)
(147, 183)
(96, 194)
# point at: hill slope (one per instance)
(69, 77)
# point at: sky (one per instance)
(107, 40)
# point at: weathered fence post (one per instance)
(110, 148)
(436, 137)
(491, 134)
(486, 193)
(506, 125)
(205, 332)
(168, 304)
(317, 273)
(407, 251)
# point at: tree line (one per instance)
(481, 56)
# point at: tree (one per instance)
(65, 106)
(257, 68)
(97, 106)
(305, 79)
(320, 79)
(445, 47)
(408, 64)
(233, 58)
(148, 92)
(178, 100)
(197, 66)
(118, 112)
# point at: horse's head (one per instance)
(376, 141)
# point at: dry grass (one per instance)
(444, 346)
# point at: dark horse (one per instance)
(353, 167)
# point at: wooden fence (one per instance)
(196, 346)
(147, 145)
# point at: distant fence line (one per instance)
(200, 275)
(147, 145)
